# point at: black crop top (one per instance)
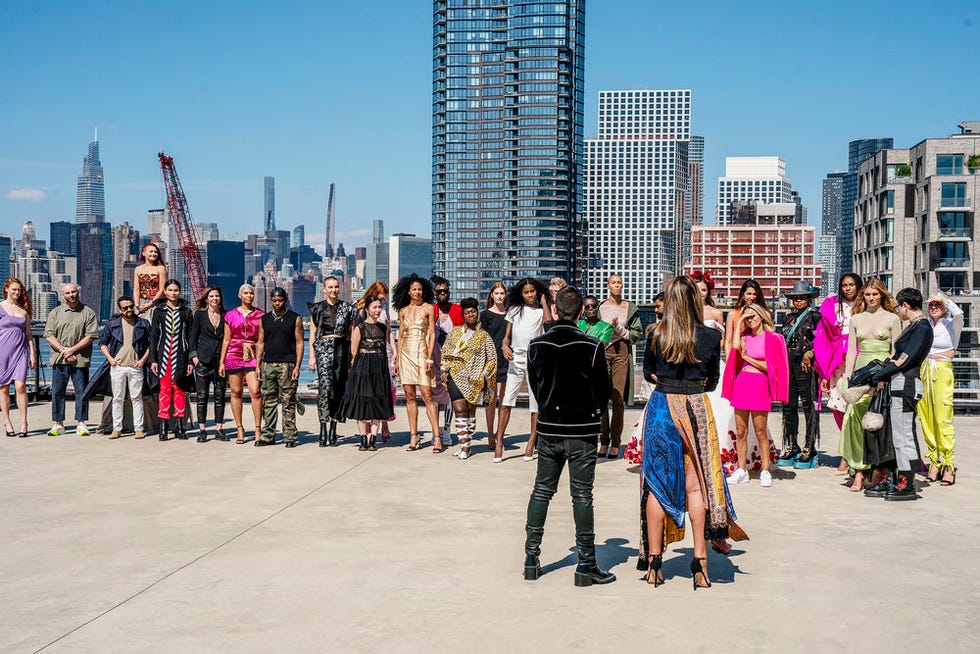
(708, 351)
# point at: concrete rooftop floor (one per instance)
(142, 546)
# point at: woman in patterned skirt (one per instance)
(681, 469)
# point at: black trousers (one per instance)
(205, 376)
(553, 453)
(801, 389)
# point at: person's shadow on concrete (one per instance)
(614, 552)
(721, 568)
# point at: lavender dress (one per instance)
(14, 353)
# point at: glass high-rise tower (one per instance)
(90, 195)
(857, 152)
(507, 149)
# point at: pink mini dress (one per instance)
(244, 331)
(750, 392)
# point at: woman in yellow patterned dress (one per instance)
(469, 364)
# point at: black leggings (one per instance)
(206, 374)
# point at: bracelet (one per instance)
(428, 360)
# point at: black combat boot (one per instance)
(323, 434)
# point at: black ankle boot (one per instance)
(333, 434)
(164, 428)
(202, 436)
(586, 575)
(179, 430)
(323, 434)
(882, 487)
(905, 488)
(370, 444)
(363, 446)
(532, 568)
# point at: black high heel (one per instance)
(654, 561)
(697, 569)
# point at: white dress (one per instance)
(725, 426)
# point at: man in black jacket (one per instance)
(568, 376)
(901, 374)
(798, 328)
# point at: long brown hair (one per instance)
(25, 299)
(376, 289)
(490, 294)
(887, 301)
(202, 300)
(675, 335)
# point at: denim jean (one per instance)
(60, 374)
(553, 453)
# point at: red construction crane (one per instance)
(180, 216)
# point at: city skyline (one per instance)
(306, 138)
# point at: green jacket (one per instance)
(601, 330)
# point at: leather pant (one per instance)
(206, 374)
(553, 453)
(801, 390)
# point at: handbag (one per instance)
(874, 419)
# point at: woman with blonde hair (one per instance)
(681, 468)
(935, 409)
(16, 351)
(756, 375)
(238, 358)
(872, 333)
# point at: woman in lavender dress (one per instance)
(16, 351)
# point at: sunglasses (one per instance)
(128, 307)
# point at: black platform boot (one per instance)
(179, 430)
(905, 488)
(333, 433)
(323, 434)
(882, 488)
(164, 428)
(363, 446)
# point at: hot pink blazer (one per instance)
(829, 342)
(777, 369)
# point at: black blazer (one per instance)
(204, 339)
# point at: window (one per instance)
(949, 164)
(953, 194)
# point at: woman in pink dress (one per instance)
(16, 351)
(756, 375)
(238, 358)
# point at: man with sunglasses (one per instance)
(125, 342)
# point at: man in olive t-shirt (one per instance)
(70, 331)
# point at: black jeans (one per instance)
(206, 374)
(553, 453)
(801, 389)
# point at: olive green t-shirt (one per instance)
(70, 326)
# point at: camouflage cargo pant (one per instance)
(278, 387)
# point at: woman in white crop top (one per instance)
(935, 409)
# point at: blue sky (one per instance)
(340, 91)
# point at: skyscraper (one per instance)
(96, 267)
(857, 152)
(752, 178)
(6, 252)
(832, 212)
(636, 186)
(63, 238)
(270, 204)
(299, 236)
(694, 198)
(331, 232)
(507, 105)
(125, 257)
(90, 196)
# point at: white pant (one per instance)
(122, 377)
(516, 376)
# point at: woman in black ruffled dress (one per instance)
(367, 398)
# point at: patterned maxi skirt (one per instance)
(678, 429)
(332, 363)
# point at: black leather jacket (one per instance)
(568, 375)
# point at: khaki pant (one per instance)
(618, 360)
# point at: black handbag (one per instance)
(862, 376)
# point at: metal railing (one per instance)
(955, 232)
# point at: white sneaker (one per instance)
(740, 476)
(82, 430)
(56, 430)
(765, 479)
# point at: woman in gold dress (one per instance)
(412, 298)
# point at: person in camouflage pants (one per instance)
(279, 355)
